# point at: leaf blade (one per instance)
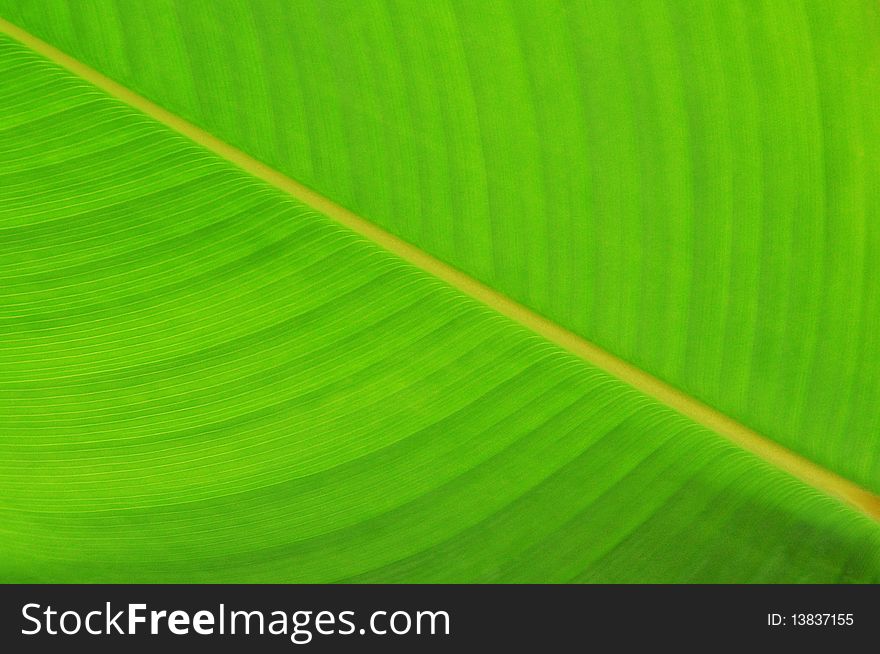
(170, 561)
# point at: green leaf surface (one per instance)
(691, 185)
(202, 379)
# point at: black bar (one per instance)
(536, 618)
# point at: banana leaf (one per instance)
(583, 291)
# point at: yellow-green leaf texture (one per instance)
(204, 379)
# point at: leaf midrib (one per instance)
(764, 448)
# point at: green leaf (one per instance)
(204, 379)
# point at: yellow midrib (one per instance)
(768, 450)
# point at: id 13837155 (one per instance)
(810, 620)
